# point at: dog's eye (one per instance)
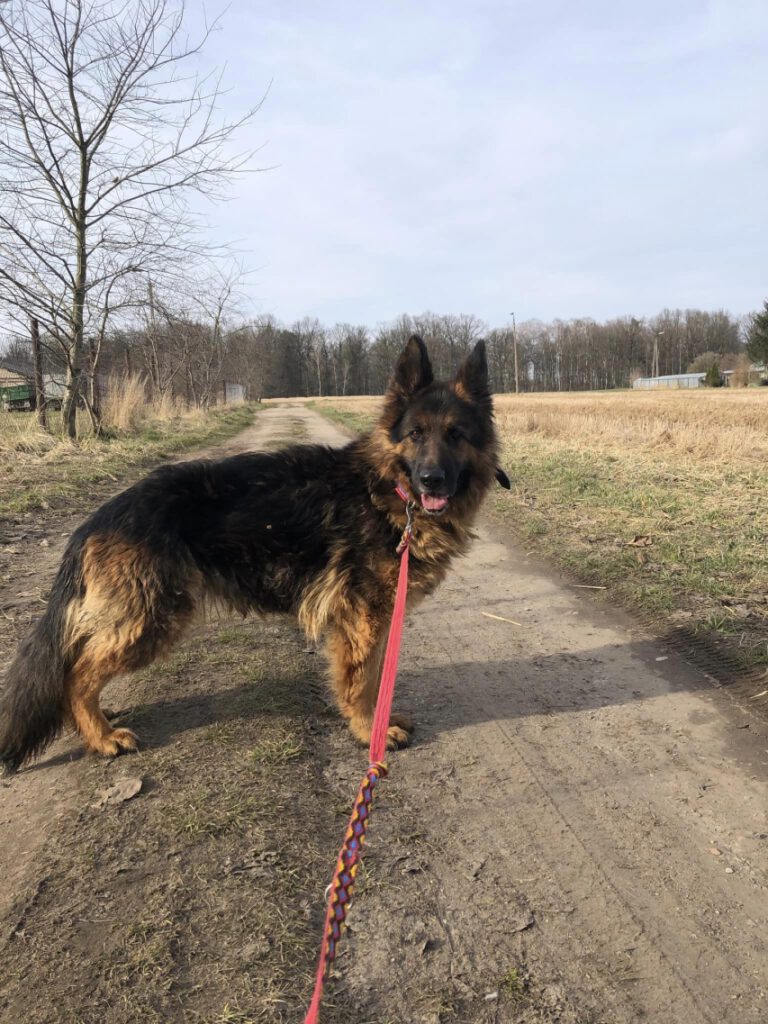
(415, 434)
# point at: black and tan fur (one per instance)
(308, 530)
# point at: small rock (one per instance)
(524, 921)
(491, 997)
(412, 867)
(45, 543)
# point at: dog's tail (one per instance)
(32, 701)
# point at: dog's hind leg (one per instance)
(83, 687)
(134, 607)
(356, 652)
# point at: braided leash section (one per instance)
(349, 860)
(343, 882)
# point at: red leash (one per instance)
(352, 848)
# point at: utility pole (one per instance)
(656, 353)
(514, 346)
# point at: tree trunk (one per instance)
(192, 388)
(77, 328)
(71, 397)
(77, 334)
(94, 398)
(37, 361)
(95, 420)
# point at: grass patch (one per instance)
(231, 1015)
(659, 497)
(42, 471)
(150, 948)
(276, 749)
(512, 984)
(354, 416)
(212, 812)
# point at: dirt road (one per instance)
(578, 835)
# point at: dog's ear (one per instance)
(413, 370)
(472, 378)
(503, 479)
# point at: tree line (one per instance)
(308, 358)
(190, 350)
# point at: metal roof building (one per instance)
(677, 380)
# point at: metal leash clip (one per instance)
(408, 531)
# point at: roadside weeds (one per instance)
(54, 472)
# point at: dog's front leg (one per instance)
(356, 653)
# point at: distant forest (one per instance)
(192, 357)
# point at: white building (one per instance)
(677, 380)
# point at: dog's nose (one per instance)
(431, 477)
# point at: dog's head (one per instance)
(442, 433)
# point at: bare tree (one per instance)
(206, 352)
(313, 342)
(348, 345)
(106, 136)
(250, 355)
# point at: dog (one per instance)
(308, 530)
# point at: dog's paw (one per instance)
(119, 741)
(399, 731)
(404, 722)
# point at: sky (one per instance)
(548, 158)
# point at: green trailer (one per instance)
(17, 397)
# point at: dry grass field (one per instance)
(39, 470)
(659, 497)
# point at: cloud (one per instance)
(591, 159)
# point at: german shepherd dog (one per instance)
(309, 530)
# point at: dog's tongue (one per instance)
(433, 503)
